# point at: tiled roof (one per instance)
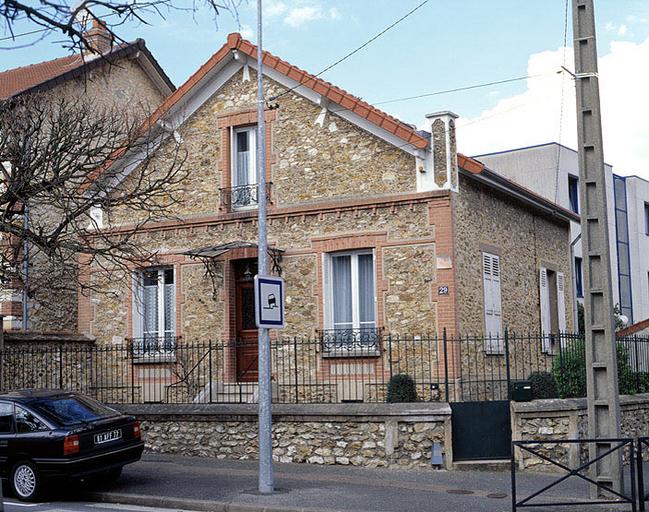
(402, 130)
(405, 132)
(49, 73)
(14, 81)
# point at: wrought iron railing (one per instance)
(150, 345)
(244, 196)
(364, 341)
(337, 365)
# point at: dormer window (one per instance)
(243, 193)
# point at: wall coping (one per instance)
(428, 411)
(570, 404)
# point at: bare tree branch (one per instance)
(50, 150)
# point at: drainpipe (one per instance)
(575, 310)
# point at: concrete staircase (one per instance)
(231, 393)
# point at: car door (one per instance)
(33, 437)
(6, 433)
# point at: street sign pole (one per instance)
(265, 398)
(601, 359)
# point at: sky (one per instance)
(443, 45)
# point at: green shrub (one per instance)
(543, 385)
(401, 388)
(569, 371)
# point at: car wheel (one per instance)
(25, 481)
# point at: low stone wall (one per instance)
(370, 435)
(545, 420)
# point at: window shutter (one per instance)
(561, 301)
(138, 306)
(546, 319)
(326, 291)
(492, 302)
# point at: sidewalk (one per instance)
(230, 486)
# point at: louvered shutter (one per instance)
(546, 319)
(561, 302)
(492, 303)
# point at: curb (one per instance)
(144, 500)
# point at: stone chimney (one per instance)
(99, 40)
(444, 149)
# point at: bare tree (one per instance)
(39, 19)
(61, 171)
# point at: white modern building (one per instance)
(552, 170)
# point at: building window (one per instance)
(646, 218)
(553, 308)
(579, 278)
(244, 169)
(350, 301)
(494, 344)
(573, 193)
(155, 311)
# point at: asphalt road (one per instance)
(13, 506)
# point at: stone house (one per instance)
(126, 76)
(375, 226)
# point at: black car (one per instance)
(56, 435)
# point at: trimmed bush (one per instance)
(401, 388)
(543, 385)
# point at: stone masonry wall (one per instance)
(395, 435)
(307, 162)
(524, 239)
(568, 419)
(122, 85)
(404, 280)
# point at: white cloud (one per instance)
(297, 13)
(532, 117)
(622, 30)
(301, 15)
(247, 32)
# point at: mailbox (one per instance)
(521, 391)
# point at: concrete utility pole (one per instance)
(601, 359)
(265, 399)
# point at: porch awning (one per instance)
(215, 251)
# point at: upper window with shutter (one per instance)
(491, 271)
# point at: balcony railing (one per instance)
(154, 346)
(351, 342)
(241, 197)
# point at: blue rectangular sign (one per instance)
(269, 302)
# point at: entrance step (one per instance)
(231, 392)
(483, 465)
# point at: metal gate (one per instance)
(481, 430)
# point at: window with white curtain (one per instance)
(154, 317)
(244, 168)
(350, 292)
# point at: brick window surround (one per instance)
(239, 119)
(337, 243)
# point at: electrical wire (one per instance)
(348, 55)
(561, 107)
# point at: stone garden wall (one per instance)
(369, 435)
(568, 419)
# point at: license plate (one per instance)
(106, 437)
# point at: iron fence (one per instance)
(553, 452)
(332, 367)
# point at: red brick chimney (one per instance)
(99, 40)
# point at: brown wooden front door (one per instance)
(246, 351)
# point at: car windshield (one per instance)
(70, 410)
